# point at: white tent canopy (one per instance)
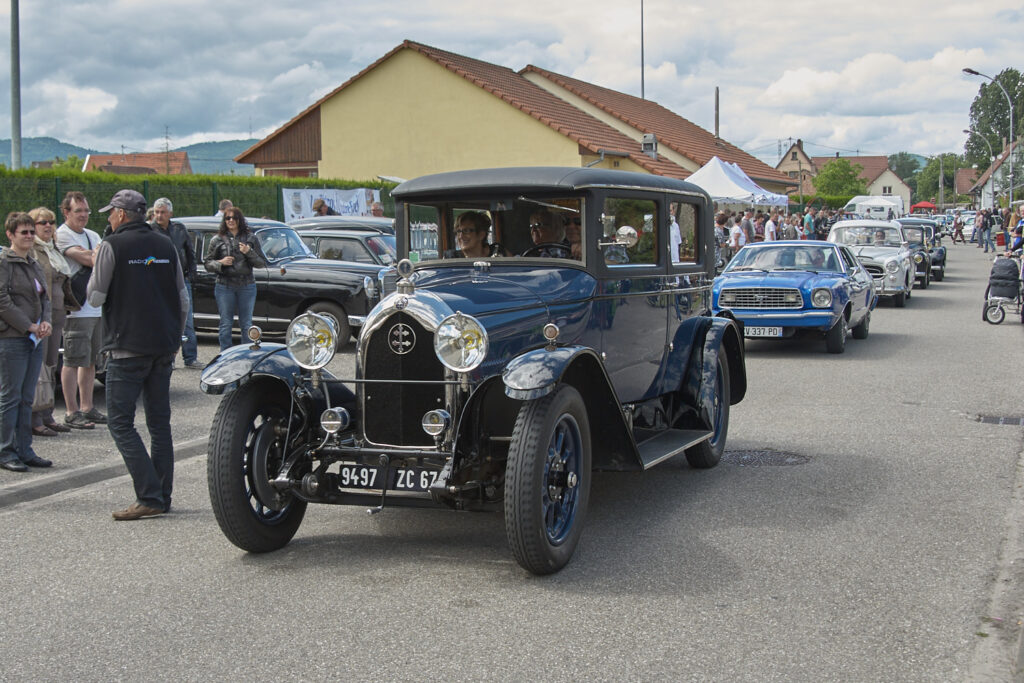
(728, 183)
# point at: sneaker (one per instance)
(38, 462)
(193, 364)
(136, 511)
(78, 420)
(96, 416)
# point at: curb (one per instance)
(83, 476)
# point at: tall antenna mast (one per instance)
(642, 50)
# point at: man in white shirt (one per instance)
(771, 228)
(82, 331)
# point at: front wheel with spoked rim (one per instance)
(547, 480)
(246, 450)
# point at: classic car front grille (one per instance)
(876, 271)
(393, 409)
(761, 297)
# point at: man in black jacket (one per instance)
(163, 210)
(137, 279)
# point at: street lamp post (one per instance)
(991, 154)
(1009, 102)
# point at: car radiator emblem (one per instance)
(401, 339)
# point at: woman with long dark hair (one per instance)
(232, 254)
(24, 324)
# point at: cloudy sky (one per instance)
(874, 77)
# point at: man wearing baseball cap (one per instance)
(138, 282)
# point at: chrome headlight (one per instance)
(918, 258)
(311, 340)
(460, 342)
(892, 266)
(821, 298)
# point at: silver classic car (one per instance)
(882, 248)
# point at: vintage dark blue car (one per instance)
(559, 323)
(779, 289)
(926, 231)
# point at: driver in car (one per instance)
(548, 234)
(880, 237)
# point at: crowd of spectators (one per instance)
(734, 229)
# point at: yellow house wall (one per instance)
(410, 116)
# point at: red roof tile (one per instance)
(679, 134)
(873, 166)
(1000, 158)
(164, 163)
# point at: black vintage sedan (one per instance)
(380, 224)
(569, 329)
(931, 236)
(913, 233)
(358, 246)
(293, 281)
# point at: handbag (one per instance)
(44, 390)
(80, 280)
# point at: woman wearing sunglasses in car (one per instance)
(471, 230)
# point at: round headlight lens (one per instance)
(821, 298)
(918, 258)
(460, 342)
(311, 340)
(892, 266)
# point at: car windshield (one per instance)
(282, 243)
(785, 257)
(914, 235)
(384, 247)
(866, 235)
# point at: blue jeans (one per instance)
(20, 362)
(986, 240)
(232, 301)
(189, 346)
(127, 378)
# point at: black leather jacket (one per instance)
(240, 272)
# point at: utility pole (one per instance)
(942, 185)
(642, 50)
(15, 89)
(167, 150)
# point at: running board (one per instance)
(669, 443)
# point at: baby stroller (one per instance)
(1004, 290)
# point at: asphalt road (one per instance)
(865, 526)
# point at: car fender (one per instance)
(696, 361)
(536, 373)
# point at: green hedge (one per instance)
(192, 195)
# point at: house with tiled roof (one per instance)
(159, 163)
(875, 172)
(996, 178)
(419, 110)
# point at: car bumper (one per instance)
(822, 319)
(886, 287)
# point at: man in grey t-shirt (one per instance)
(82, 331)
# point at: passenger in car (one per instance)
(471, 230)
(574, 234)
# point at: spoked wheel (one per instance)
(246, 451)
(994, 314)
(707, 453)
(547, 480)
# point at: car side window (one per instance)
(625, 217)
(849, 260)
(340, 249)
(682, 232)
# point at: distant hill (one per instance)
(214, 158)
(41, 149)
(217, 158)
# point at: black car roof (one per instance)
(214, 222)
(338, 232)
(372, 223)
(538, 178)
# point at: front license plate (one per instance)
(402, 478)
(762, 331)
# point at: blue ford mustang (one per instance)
(777, 289)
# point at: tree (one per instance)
(928, 178)
(838, 177)
(990, 117)
(72, 163)
(904, 164)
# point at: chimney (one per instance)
(649, 145)
(837, 155)
(800, 144)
